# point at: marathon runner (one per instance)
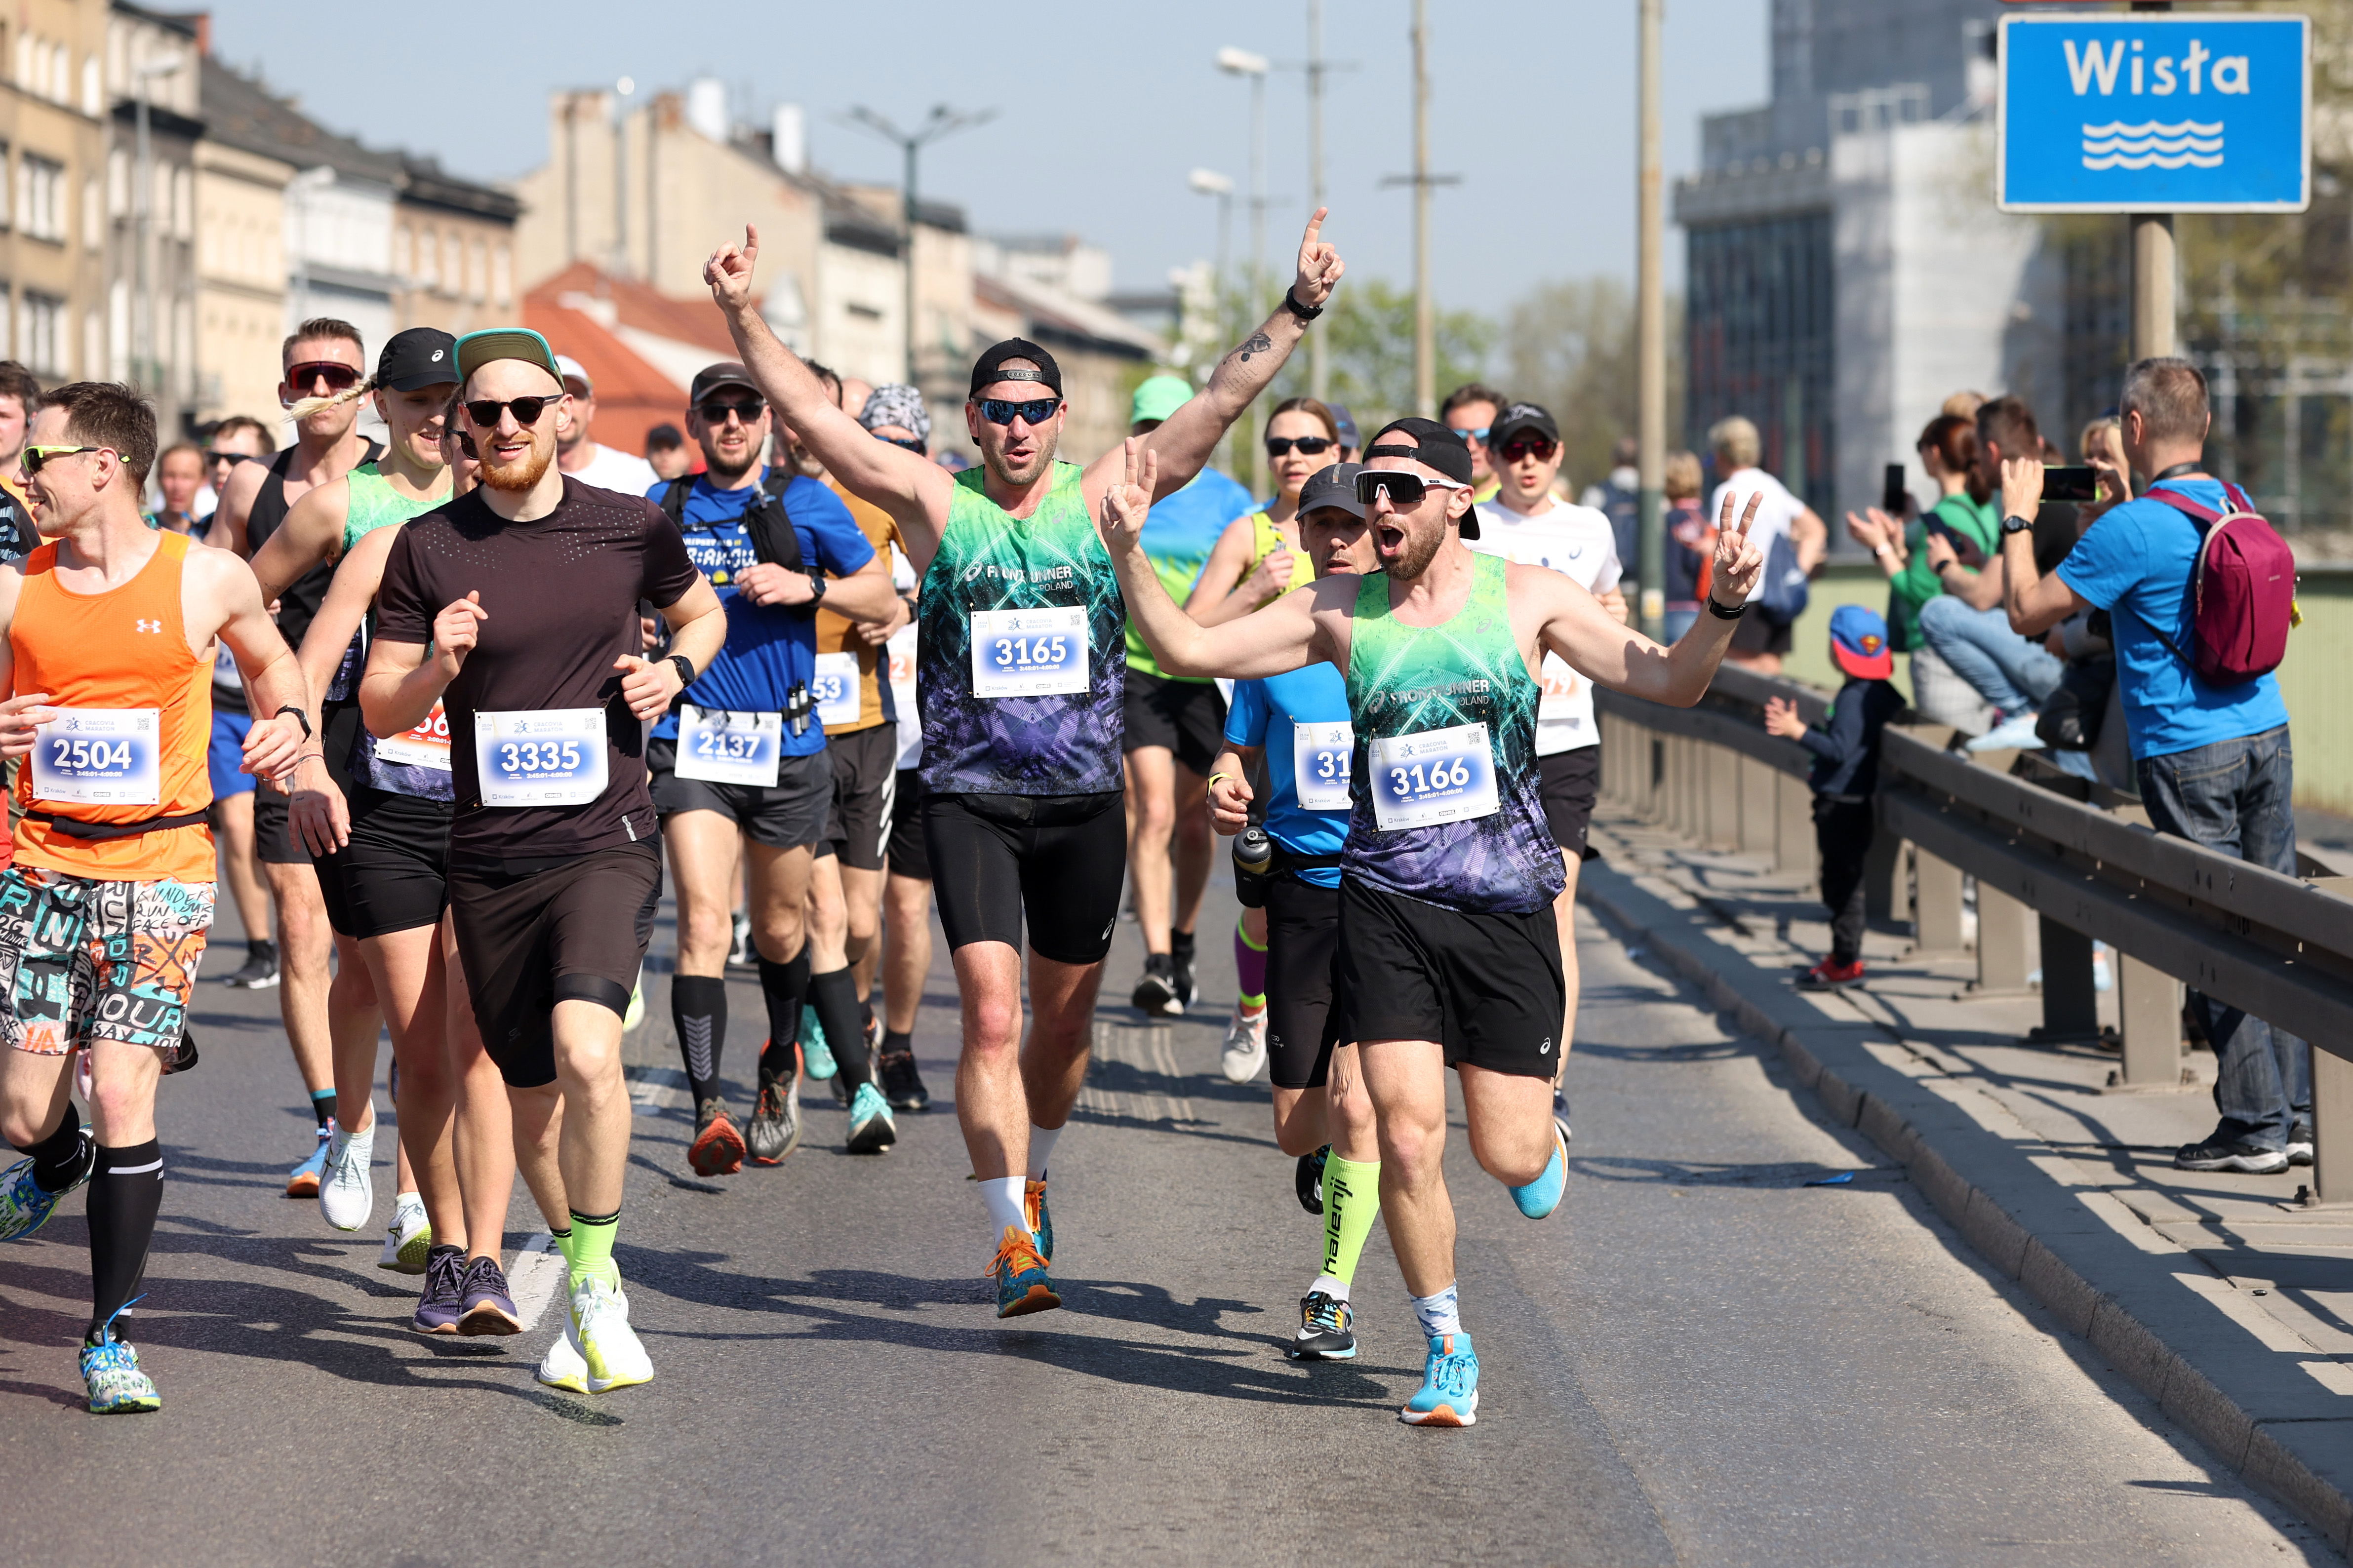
(1448, 951)
(1297, 725)
(1527, 523)
(324, 363)
(1024, 652)
(238, 440)
(111, 629)
(743, 757)
(519, 601)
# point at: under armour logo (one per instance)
(150, 625)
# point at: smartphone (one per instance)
(2070, 481)
(1892, 497)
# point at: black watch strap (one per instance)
(2016, 525)
(1303, 312)
(685, 667)
(299, 718)
(1721, 614)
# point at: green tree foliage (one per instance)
(1570, 347)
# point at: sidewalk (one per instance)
(2229, 1305)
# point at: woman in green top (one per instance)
(1258, 558)
(1948, 450)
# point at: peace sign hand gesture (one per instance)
(1739, 564)
(1127, 503)
(1319, 265)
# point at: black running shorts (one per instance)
(533, 933)
(274, 843)
(1303, 943)
(1488, 987)
(907, 855)
(1061, 859)
(394, 875)
(1572, 781)
(788, 814)
(1186, 717)
(865, 794)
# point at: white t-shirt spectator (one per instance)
(614, 470)
(1778, 509)
(1577, 541)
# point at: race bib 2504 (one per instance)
(552, 756)
(1435, 777)
(99, 756)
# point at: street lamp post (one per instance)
(1242, 63)
(1210, 182)
(942, 121)
(1650, 341)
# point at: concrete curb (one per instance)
(2025, 1224)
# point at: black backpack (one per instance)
(773, 541)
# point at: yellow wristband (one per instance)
(1215, 777)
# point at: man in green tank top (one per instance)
(1448, 951)
(1021, 672)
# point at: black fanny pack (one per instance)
(72, 827)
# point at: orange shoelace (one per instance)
(1017, 1252)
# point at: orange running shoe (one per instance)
(1022, 1286)
(718, 1148)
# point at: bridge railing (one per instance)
(2078, 858)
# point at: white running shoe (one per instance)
(562, 1367)
(346, 1190)
(1245, 1053)
(408, 1237)
(597, 1326)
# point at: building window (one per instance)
(40, 330)
(1759, 340)
(93, 85)
(403, 250)
(428, 257)
(118, 184)
(93, 216)
(8, 217)
(477, 276)
(501, 276)
(453, 262)
(41, 199)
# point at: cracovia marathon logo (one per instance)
(2153, 144)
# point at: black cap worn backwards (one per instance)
(421, 356)
(1429, 442)
(990, 369)
(1520, 416)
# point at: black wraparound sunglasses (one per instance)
(1004, 410)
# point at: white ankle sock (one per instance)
(1041, 1149)
(1335, 1288)
(1003, 1196)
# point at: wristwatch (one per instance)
(816, 589)
(685, 667)
(2014, 525)
(299, 718)
(1303, 312)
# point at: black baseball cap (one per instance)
(1520, 416)
(421, 356)
(1428, 442)
(990, 368)
(1333, 485)
(710, 378)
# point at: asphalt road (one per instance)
(1701, 1360)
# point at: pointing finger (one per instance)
(1314, 227)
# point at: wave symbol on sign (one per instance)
(2187, 143)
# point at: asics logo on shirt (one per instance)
(150, 625)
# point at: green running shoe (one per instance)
(25, 1204)
(816, 1055)
(110, 1367)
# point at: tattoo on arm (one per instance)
(1257, 344)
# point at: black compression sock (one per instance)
(126, 1192)
(1180, 946)
(785, 988)
(894, 1042)
(698, 1010)
(323, 1106)
(834, 997)
(63, 1157)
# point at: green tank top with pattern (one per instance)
(1446, 802)
(1022, 649)
(374, 504)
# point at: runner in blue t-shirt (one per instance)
(1299, 725)
(743, 752)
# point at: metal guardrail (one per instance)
(2080, 858)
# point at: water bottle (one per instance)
(1253, 859)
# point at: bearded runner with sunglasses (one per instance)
(516, 605)
(744, 756)
(325, 361)
(1528, 524)
(109, 634)
(1023, 656)
(1448, 951)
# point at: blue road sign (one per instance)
(2155, 113)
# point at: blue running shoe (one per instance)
(816, 1057)
(302, 1180)
(25, 1204)
(110, 1368)
(873, 1128)
(1022, 1286)
(1543, 1195)
(1449, 1395)
(1042, 1221)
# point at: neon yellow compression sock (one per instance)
(591, 1254)
(1352, 1199)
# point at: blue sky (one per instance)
(1102, 108)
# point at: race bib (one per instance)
(723, 747)
(1029, 653)
(99, 756)
(426, 746)
(1561, 685)
(1435, 777)
(836, 691)
(1320, 756)
(550, 757)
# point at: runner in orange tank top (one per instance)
(109, 632)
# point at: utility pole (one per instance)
(1425, 306)
(942, 121)
(1243, 63)
(1651, 338)
(2152, 264)
(1319, 369)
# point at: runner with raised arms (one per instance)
(1023, 650)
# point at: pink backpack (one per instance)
(2244, 580)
